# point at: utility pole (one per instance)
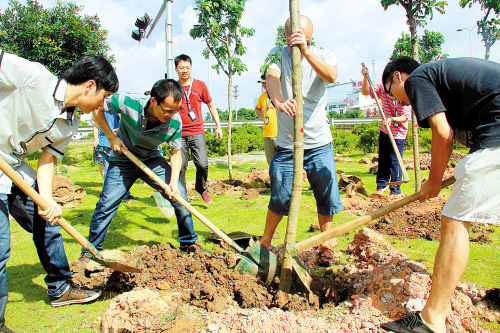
(373, 69)
(235, 95)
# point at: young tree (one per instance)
(219, 26)
(487, 28)
(54, 37)
(429, 47)
(416, 12)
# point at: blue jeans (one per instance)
(319, 164)
(119, 179)
(389, 169)
(198, 146)
(47, 238)
(104, 152)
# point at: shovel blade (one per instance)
(259, 262)
(302, 273)
(163, 204)
(116, 265)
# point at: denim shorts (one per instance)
(319, 164)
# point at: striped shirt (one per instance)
(392, 109)
(143, 143)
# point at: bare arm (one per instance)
(45, 178)
(259, 113)
(441, 148)
(95, 131)
(215, 116)
(325, 71)
(115, 143)
(365, 89)
(289, 106)
(175, 164)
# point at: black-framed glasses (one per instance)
(167, 112)
(388, 91)
(309, 43)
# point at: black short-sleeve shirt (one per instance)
(466, 89)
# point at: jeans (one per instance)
(104, 152)
(198, 147)
(119, 179)
(319, 164)
(47, 238)
(389, 169)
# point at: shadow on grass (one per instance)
(24, 275)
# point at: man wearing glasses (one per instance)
(452, 96)
(193, 132)
(396, 116)
(318, 70)
(146, 123)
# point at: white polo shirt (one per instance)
(31, 103)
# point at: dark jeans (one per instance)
(198, 148)
(389, 169)
(47, 238)
(120, 177)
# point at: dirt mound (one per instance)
(64, 193)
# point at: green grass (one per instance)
(141, 223)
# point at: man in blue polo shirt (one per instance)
(38, 112)
(145, 125)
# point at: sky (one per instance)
(355, 30)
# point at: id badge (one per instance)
(266, 121)
(192, 115)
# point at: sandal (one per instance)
(326, 258)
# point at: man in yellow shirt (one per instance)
(266, 111)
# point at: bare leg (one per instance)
(451, 261)
(325, 224)
(101, 170)
(272, 221)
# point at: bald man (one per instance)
(318, 70)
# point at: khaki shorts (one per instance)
(475, 197)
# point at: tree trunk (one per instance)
(230, 108)
(298, 156)
(414, 124)
(487, 52)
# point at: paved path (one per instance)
(237, 159)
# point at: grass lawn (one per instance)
(141, 223)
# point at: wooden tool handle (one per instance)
(183, 202)
(37, 198)
(346, 227)
(406, 178)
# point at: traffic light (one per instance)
(141, 23)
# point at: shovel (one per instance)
(261, 263)
(347, 227)
(37, 198)
(406, 179)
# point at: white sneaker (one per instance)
(382, 190)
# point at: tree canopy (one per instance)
(55, 37)
(488, 26)
(429, 50)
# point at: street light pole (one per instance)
(470, 37)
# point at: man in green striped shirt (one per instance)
(146, 123)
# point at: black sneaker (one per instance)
(75, 296)
(411, 323)
(194, 248)
(130, 198)
(4, 328)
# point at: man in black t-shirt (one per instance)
(452, 96)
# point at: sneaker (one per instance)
(411, 323)
(4, 328)
(206, 197)
(130, 198)
(382, 190)
(75, 296)
(194, 248)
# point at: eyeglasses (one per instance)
(309, 43)
(167, 112)
(388, 91)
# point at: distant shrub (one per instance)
(343, 141)
(368, 134)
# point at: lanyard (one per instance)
(188, 94)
